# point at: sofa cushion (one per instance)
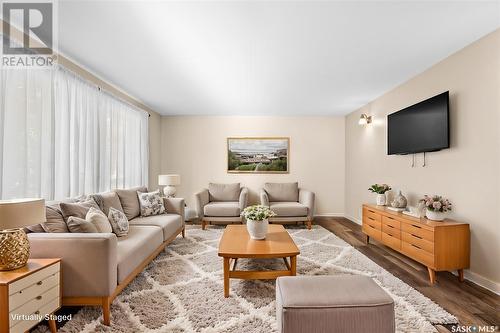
(224, 192)
(106, 200)
(288, 208)
(99, 220)
(170, 223)
(134, 248)
(225, 208)
(130, 201)
(151, 203)
(76, 224)
(282, 191)
(54, 219)
(78, 209)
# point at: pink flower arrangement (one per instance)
(436, 203)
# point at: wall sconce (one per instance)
(364, 119)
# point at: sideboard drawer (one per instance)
(390, 230)
(417, 253)
(423, 243)
(391, 241)
(372, 232)
(415, 229)
(391, 222)
(372, 215)
(375, 224)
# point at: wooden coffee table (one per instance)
(236, 243)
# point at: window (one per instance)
(62, 137)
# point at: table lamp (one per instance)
(170, 182)
(14, 215)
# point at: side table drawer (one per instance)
(36, 306)
(34, 278)
(33, 291)
(24, 325)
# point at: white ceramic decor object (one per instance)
(257, 229)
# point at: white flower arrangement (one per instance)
(436, 203)
(258, 213)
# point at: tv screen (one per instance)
(422, 127)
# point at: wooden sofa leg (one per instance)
(184, 232)
(203, 223)
(309, 224)
(106, 310)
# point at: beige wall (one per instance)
(154, 149)
(195, 147)
(468, 173)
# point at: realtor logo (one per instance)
(28, 33)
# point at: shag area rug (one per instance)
(182, 289)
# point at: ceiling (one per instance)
(266, 57)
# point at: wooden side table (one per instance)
(29, 295)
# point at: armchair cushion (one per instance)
(224, 208)
(289, 209)
(224, 192)
(282, 192)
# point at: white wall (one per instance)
(195, 147)
(468, 173)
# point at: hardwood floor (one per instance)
(470, 303)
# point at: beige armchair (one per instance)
(221, 203)
(289, 202)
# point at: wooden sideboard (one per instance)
(440, 246)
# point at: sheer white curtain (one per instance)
(62, 137)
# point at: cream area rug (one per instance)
(182, 289)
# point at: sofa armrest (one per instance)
(175, 206)
(264, 198)
(89, 260)
(243, 201)
(307, 198)
(201, 199)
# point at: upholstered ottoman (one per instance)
(326, 304)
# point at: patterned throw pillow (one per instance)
(151, 203)
(119, 222)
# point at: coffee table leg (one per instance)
(293, 265)
(226, 277)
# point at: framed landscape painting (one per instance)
(258, 155)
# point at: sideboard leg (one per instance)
(367, 240)
(432, 275)
(461, 275)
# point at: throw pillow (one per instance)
(118, 221)
(129, 201)
(76, 224)
(54, 220)
(151, 203)
(78, 209)
(99, 220)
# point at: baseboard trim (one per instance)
(329, 215)
(480, 280)
(353, 219)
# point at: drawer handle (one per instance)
(371, 218)
(418, 247)
(390, 235)
(39, 298)
(371, 226)
(371, 211)
(416, 226)
(37, 312)
(390, 226)
(39, 283)
(390, 218)
(416, 236)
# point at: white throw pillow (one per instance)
(151, 203)
(118, 221)
(99, 220)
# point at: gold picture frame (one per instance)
(258, 155)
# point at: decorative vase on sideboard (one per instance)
(435, 216)
(381, 199)
(257, 229)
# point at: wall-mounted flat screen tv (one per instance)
(422, 127)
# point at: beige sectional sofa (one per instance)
(96, 267)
